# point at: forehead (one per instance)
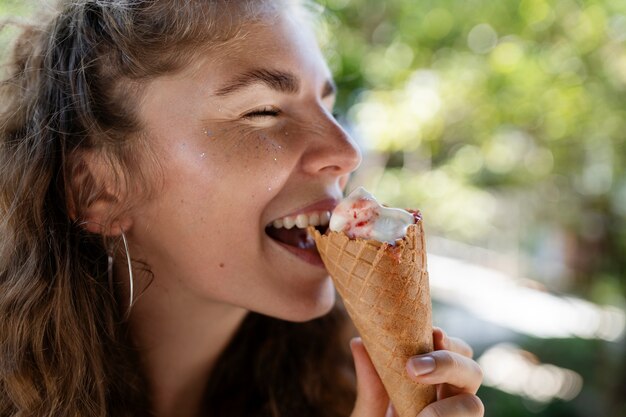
(283, 42)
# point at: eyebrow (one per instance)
(282, 81)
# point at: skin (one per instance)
(230, 165)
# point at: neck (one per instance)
(179, 338)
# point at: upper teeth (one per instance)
(301, 221)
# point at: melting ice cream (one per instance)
(359, 215)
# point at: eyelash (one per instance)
(264, 112)
(273, 112)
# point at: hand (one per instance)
(450, 367)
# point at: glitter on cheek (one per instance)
(229, 141)
(271, 148)
(266, 148)
(273, 144)
(254, 150)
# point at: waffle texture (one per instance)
(386, 293)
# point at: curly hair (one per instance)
(71, 86)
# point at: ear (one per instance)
(95, 195)
(98, 219)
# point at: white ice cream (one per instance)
(359, 215)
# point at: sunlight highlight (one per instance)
(498, 298)
(516, 371)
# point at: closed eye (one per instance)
(263, 112)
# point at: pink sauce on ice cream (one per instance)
(359, 215)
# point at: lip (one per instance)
(308, 256)
(326, 204)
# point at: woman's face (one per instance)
(244, 138)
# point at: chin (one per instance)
(311, 305)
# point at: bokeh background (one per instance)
(505, 123)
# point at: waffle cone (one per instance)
(385, 290)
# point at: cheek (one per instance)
(260, 162)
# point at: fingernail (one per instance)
(354, 340)
(444, 337)
(421, 365)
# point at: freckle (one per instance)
(221, 264)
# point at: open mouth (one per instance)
(291, 231)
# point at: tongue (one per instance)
(292, 237)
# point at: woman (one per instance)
(175, 133)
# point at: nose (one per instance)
(331, 150)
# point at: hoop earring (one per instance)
(131, 280)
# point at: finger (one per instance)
(371, 397)
(446, 367)
(391, 411)
(463, 405)
(460, 346)
(443, 342)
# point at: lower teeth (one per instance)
(307, 242)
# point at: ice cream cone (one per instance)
(385, 290)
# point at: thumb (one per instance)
(371, 398)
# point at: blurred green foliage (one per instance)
(10, 12)
(505, 122)
(16, 7)
(498, 118)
